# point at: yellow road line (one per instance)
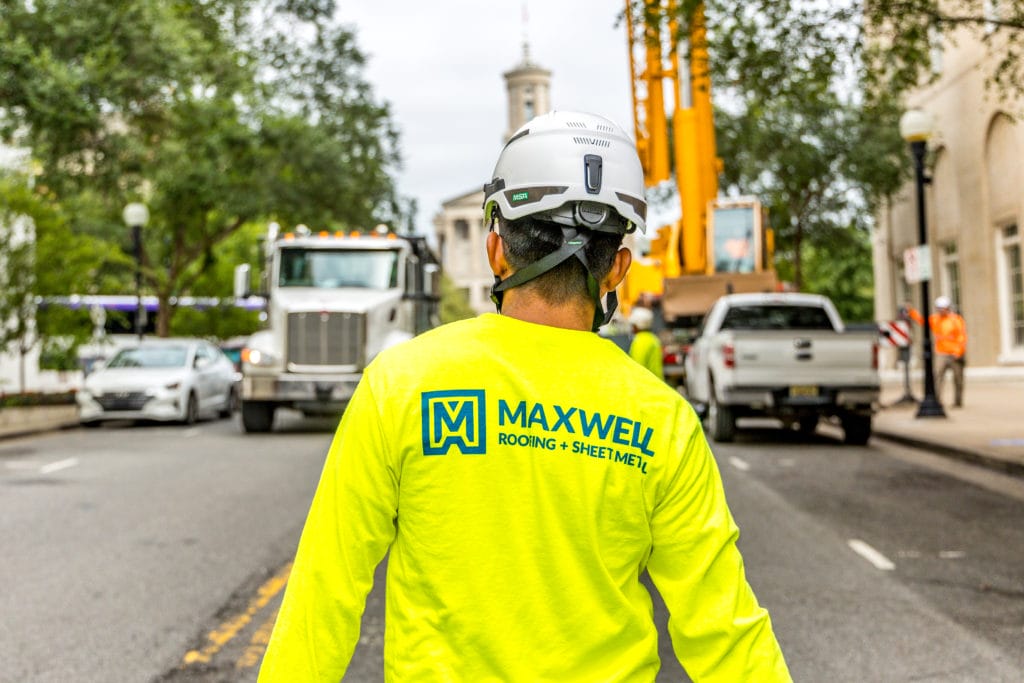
(223, 634)
(257, 645)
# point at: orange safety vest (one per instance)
(949, 330)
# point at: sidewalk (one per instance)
(988, 430)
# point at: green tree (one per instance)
(808, 98)
(215, 114)
(17, 275)
(454, 302)
(35, 237)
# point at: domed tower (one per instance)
(529, 92)
(459, 226)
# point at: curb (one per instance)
(973, 457)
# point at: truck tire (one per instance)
(257, 417)
(721, 422)
(856, 429)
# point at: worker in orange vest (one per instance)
(950, 335)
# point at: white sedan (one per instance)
(173, 379)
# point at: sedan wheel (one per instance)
(231, 403)
(191, 410)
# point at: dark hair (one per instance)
(529, 239)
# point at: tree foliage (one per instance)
(808, 97)
(216, 114)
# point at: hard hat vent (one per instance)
(575, 124)
(596, 142)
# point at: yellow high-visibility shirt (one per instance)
(522, 477)
(645, 349)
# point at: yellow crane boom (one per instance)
(687, 248)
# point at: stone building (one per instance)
(974, 207)
(459, 225)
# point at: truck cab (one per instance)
(333, 301)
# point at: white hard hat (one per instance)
(942, 302)
(572, 168)
(641, 318)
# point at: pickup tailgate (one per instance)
(778, 358)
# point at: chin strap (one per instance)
(573, 243)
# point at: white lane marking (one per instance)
(952, 554)
(876, 558)
(22, 465)
(190, 432)
(59, 465)
(738, 464)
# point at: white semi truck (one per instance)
(333, 301)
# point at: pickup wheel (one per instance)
(807, 425)
(721, 421)
(856, 429)
(257, 417)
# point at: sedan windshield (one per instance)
(374, 269)
(150, 357)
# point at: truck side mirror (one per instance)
(242, 288)
(432, 277)
(413, 277)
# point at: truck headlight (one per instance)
(257, 357)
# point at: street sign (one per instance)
(917, 264)
(894, 333)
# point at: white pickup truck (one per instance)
(787, 356)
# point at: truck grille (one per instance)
(326, 339)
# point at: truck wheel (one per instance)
(257, 417)
(721, 421)
(856, 429)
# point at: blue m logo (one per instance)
(454, 418)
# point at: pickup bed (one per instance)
(786, 356)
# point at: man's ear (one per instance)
(496, 255)
(620, 265)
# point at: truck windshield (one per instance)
(780, 317)
(373, 269)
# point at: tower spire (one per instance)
(526, 35)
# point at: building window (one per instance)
(461, 230)
(951, 273)
(935, 49)
(1013, 286)
(904, 294)
(994, 10)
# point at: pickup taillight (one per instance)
(728, 355)
(874, 356)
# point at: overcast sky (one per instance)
(439, 64)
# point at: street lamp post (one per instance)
(915, 127)
(136, 216)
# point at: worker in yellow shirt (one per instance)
(949, 334)
(645, 348)
(522, 474)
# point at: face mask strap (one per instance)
(573, 243)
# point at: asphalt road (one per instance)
(158, 553)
